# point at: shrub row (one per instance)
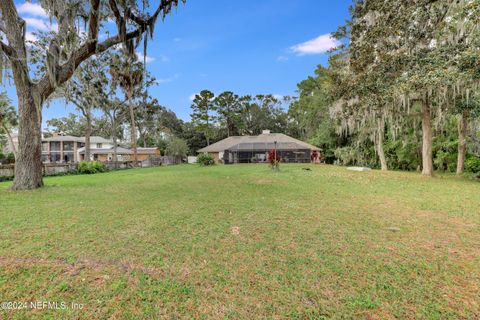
(205, 159)
(7, 158)
(91, 167)
(472, 164)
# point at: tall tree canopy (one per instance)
(404, 58)
(203, 109)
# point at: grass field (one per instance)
(243, 242)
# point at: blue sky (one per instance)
(249, 47)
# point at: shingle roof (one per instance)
(93, 139)
(147, 150)
(264, 139)
(63, 138)
(120, 150)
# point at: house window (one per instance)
(55, 157)
(54, 146)
(99, 146)
(68, 146)
(68, 157)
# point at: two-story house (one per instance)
(63, 148)
(67, 149)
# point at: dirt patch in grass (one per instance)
(264, 181)
(82, 264)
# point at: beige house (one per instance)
(123, 154)
(255, 149)
(68, 149)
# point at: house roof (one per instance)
(147, 150)
(93, 139)
(259, 146)
(120, 150)
(262, 141)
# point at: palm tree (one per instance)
(128, 74)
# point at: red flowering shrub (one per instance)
(274, 158)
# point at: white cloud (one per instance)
(318, 45)
(192, 96)
(32, 9)
(148, 59)
(177, 39)
(30, 37)
(164, 58)
(167, 80)
(282, 59)
(40, 24)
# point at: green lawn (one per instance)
(243, 242)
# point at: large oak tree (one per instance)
(63, 56)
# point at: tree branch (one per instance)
(14, 27)
(7, 50)
(93, 22)
(164, 7)
(91, 46)
(83, 53)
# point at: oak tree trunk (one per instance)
(427, 161)
(380, 150)
(462, 144)
(28, 163)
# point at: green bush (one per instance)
(91, 167)
(205, 159)
(7, 159)
(445, 161)
(472, 164)
(11, 157)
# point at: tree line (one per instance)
(401, 91)
(213, 117)
(230, 114)
(406, 75)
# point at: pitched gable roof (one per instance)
(267, 139)
(93, 139)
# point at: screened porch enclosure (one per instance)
(290, 152)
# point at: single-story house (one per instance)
(255, 149)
